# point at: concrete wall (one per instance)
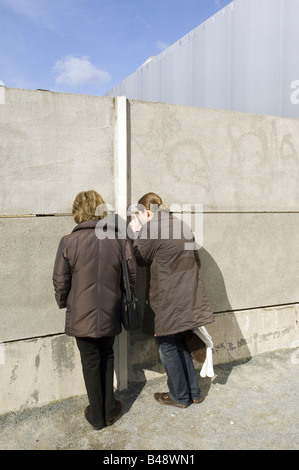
(243, 169)
(51, 147)
(227, 161)
(51, 144)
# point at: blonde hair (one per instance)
(85, 205)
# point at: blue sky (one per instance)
(88, 46)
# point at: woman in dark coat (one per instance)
(177, 295)
(87, 280)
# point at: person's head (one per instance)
(85, 205)
(147, 205)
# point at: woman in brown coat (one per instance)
(87, 280)
(177, 295)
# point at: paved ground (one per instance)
(249, 405)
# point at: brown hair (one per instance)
(149, 200)
(85, 205)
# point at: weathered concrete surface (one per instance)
(28, 249)
(259, 272)
(54, 145)
(236, 336)
(226, 161)
(250, 405)
(249, 260)
(36, 371)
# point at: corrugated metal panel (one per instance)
(245, 58)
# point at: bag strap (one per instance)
(125, 270)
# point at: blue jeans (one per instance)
(182, 377)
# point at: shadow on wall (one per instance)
(143, 351)
(230, 346)
(213, 282)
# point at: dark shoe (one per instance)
(96, 428)
(200, 400)
(110, 421)
(165, 399)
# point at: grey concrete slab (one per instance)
(250, 260)
(54, 145)
(38, 371)
(247, 406)
(28, 249)
(226, 161)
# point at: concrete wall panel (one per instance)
(54, 367)
(249, 260)
(224, 160)
(38, 371)
(236, 336)
(54, 145)
(241, 335)
(28, 248)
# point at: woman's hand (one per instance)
(135, 224)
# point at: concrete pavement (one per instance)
(248, 405)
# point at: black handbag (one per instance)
(195, 345)
(130, 312)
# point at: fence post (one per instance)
(121, 204)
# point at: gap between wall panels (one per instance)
(12, 216)
(278, 306)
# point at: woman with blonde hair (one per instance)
(176, 294)
(87, 280)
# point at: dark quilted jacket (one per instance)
(177, 295)
(87, 280)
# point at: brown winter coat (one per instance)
(177, 294)
(87, 280)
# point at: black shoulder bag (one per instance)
(130, 305)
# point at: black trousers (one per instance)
(97, 358)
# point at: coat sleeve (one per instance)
(144, 250)
(132, 265)
(62, 277)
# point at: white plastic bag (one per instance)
(207, 369)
